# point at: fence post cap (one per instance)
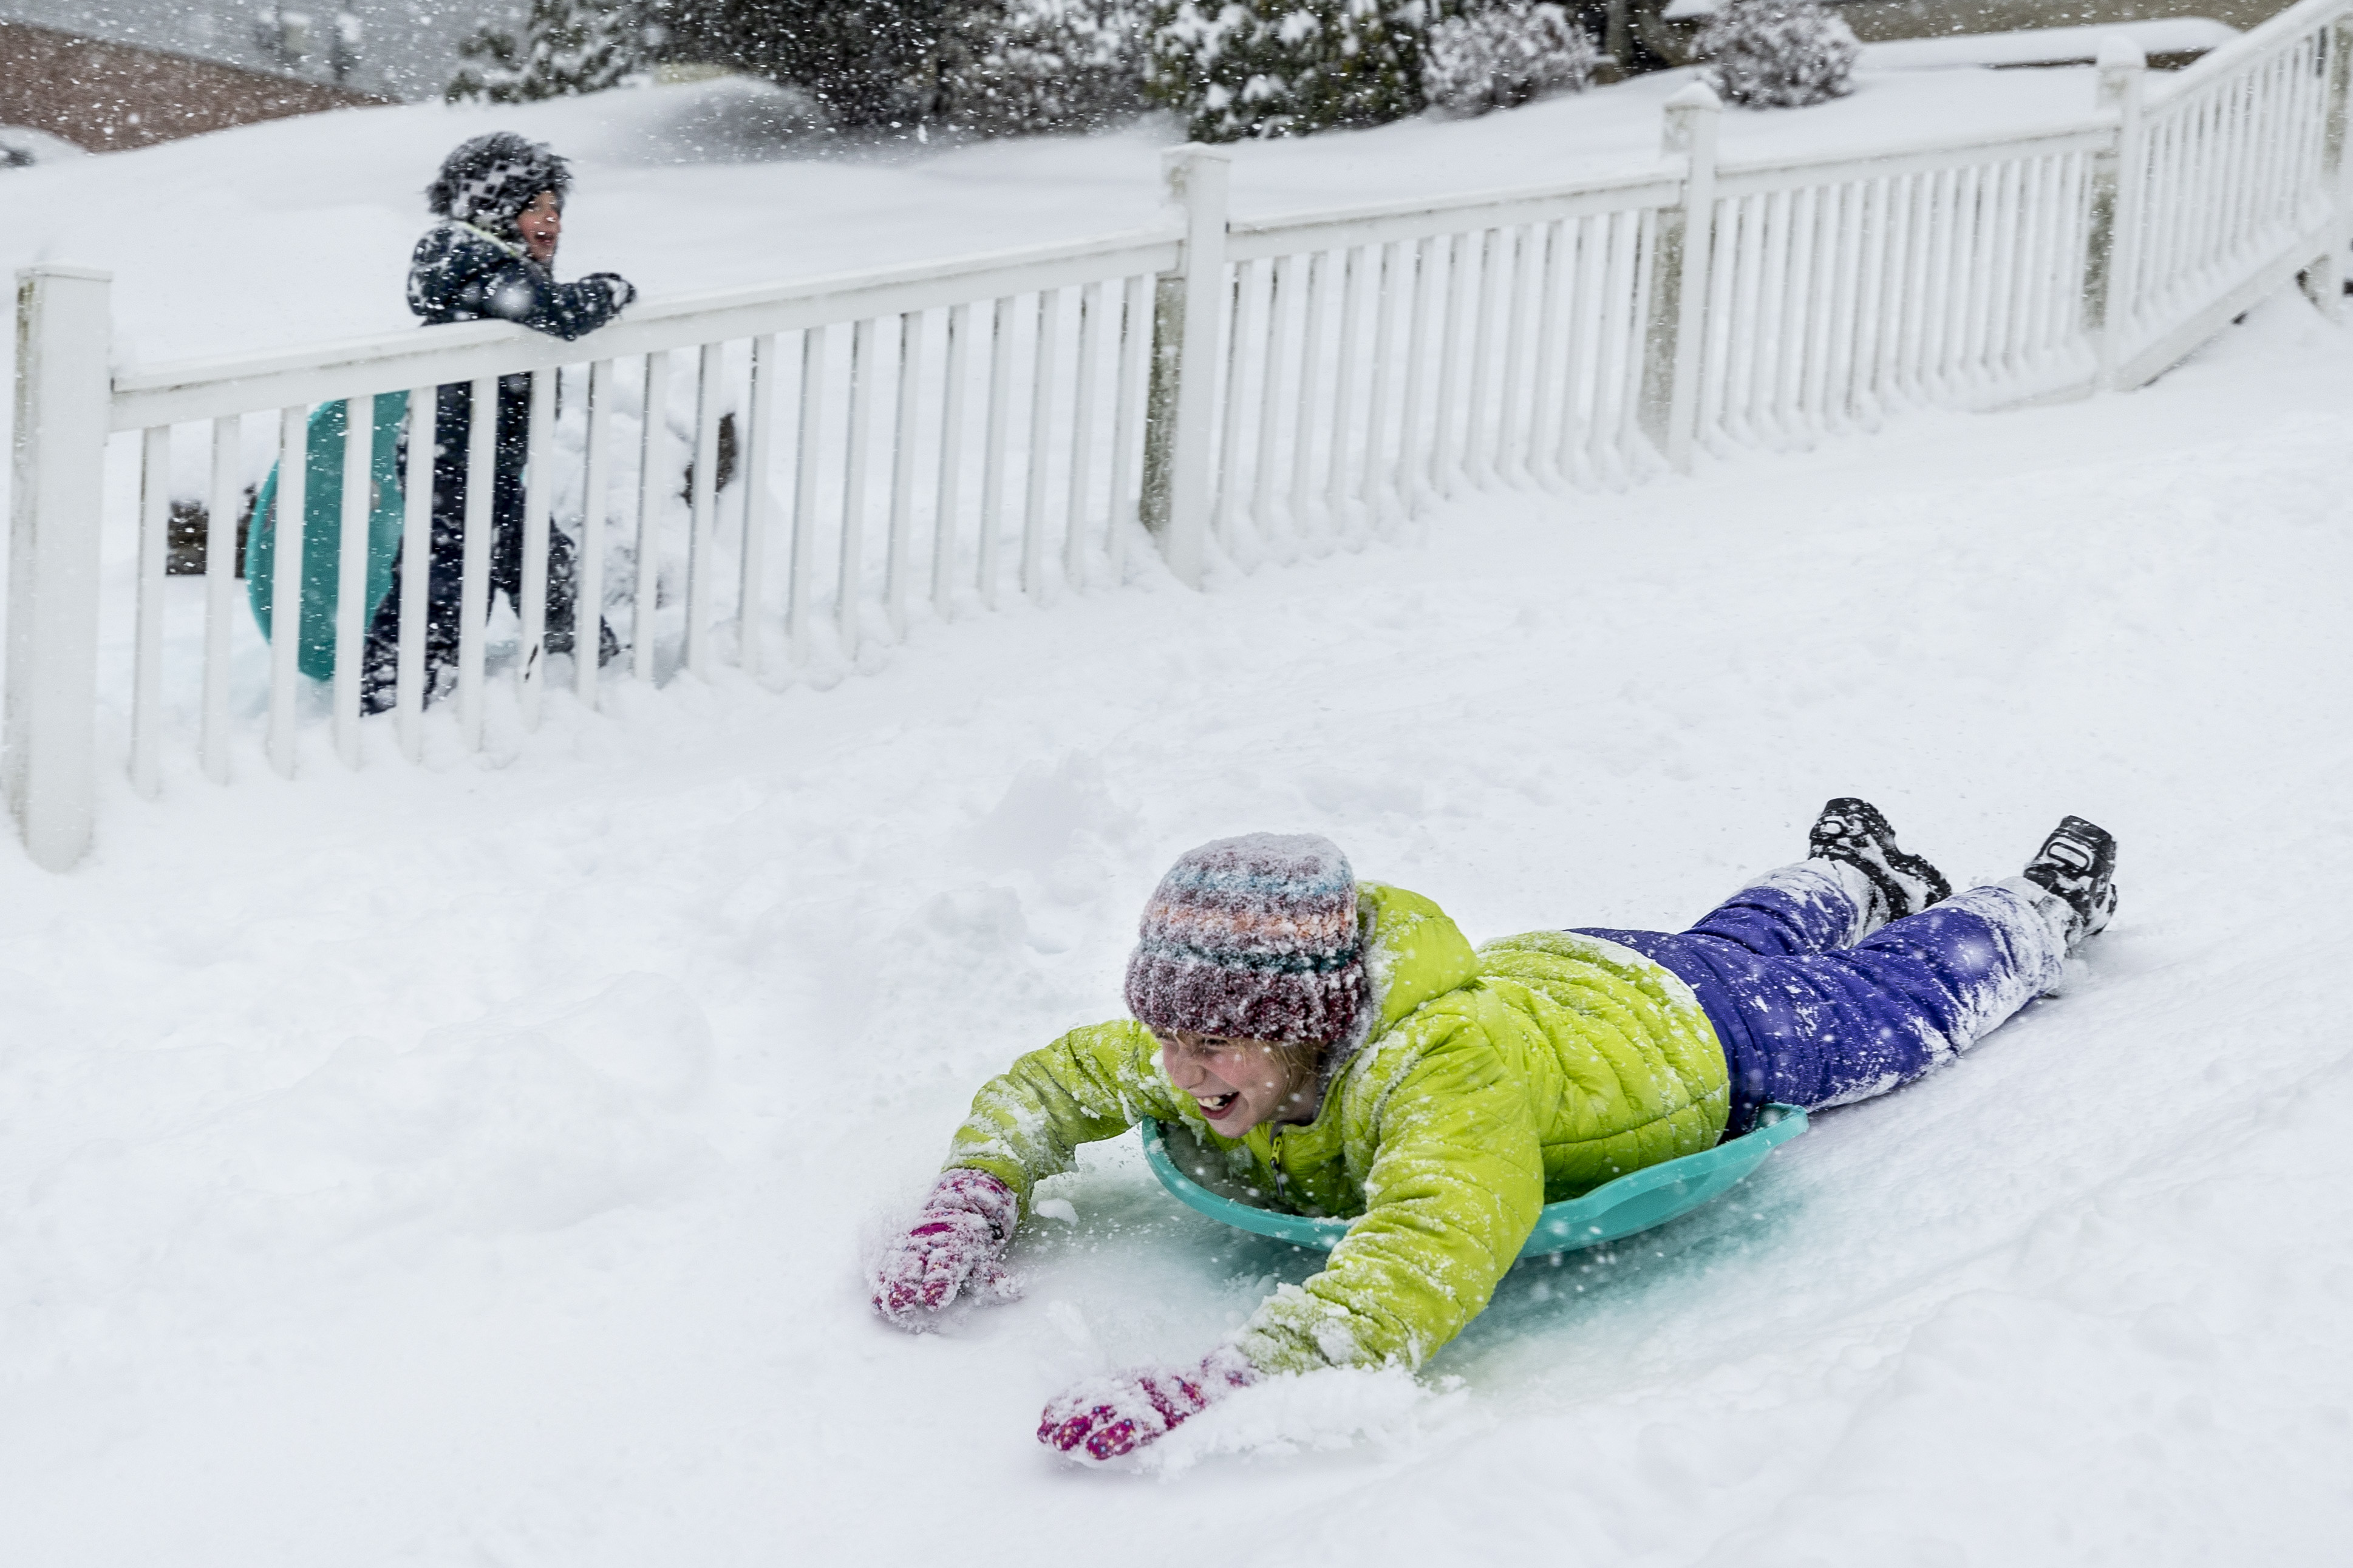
(1688, 124)
(2123, 70)
(1178, 164)
(2119, 52)
(1175, 157)
(64, 269)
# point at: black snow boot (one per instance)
(2078, 863)
(1854, 831)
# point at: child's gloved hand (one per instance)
(953, 1247)
(622, 290)
(1104, 1418)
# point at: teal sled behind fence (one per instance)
(322, 503)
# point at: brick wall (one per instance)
(108, 97)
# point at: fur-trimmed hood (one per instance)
(488, 181)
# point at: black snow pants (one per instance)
(445, 577)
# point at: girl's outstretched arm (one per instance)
(461, 273)
(1025, 1124)
(1092, 1084)
(1452, 1187)
(1451, 1195)
(526, 295)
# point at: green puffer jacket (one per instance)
(1532, 1069)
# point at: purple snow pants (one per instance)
(1814, 1008)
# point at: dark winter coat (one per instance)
(461, 273)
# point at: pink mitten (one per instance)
(1104, 1418)
(953, 1247)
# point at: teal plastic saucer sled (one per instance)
(1634, 1202)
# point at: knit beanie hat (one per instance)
(488, 182)
(1252, 938)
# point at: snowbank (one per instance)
(2178, 36)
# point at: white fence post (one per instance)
(1181, 410)
(64, 407)
(1676, 324)
(2119, 211)
(2323, 280)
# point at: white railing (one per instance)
(1946, 275)
(2225, 184)
(1373, 358)
(885, 378)
(937, 437)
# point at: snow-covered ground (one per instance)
(475, 1164)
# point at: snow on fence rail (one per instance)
(945, 435)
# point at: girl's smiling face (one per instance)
(540, 225)
(1239, 1083)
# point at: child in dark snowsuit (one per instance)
(1343, 1050)
(500, 200)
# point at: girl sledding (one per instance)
(1347, 1051)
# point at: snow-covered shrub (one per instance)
(566, 46)
(872, 64)
(1286, 68)
(1044, 65)
(1778, 54)
(992, 66)
(1503, 56)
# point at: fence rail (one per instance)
(781, 476)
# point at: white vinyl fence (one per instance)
(944, 438)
